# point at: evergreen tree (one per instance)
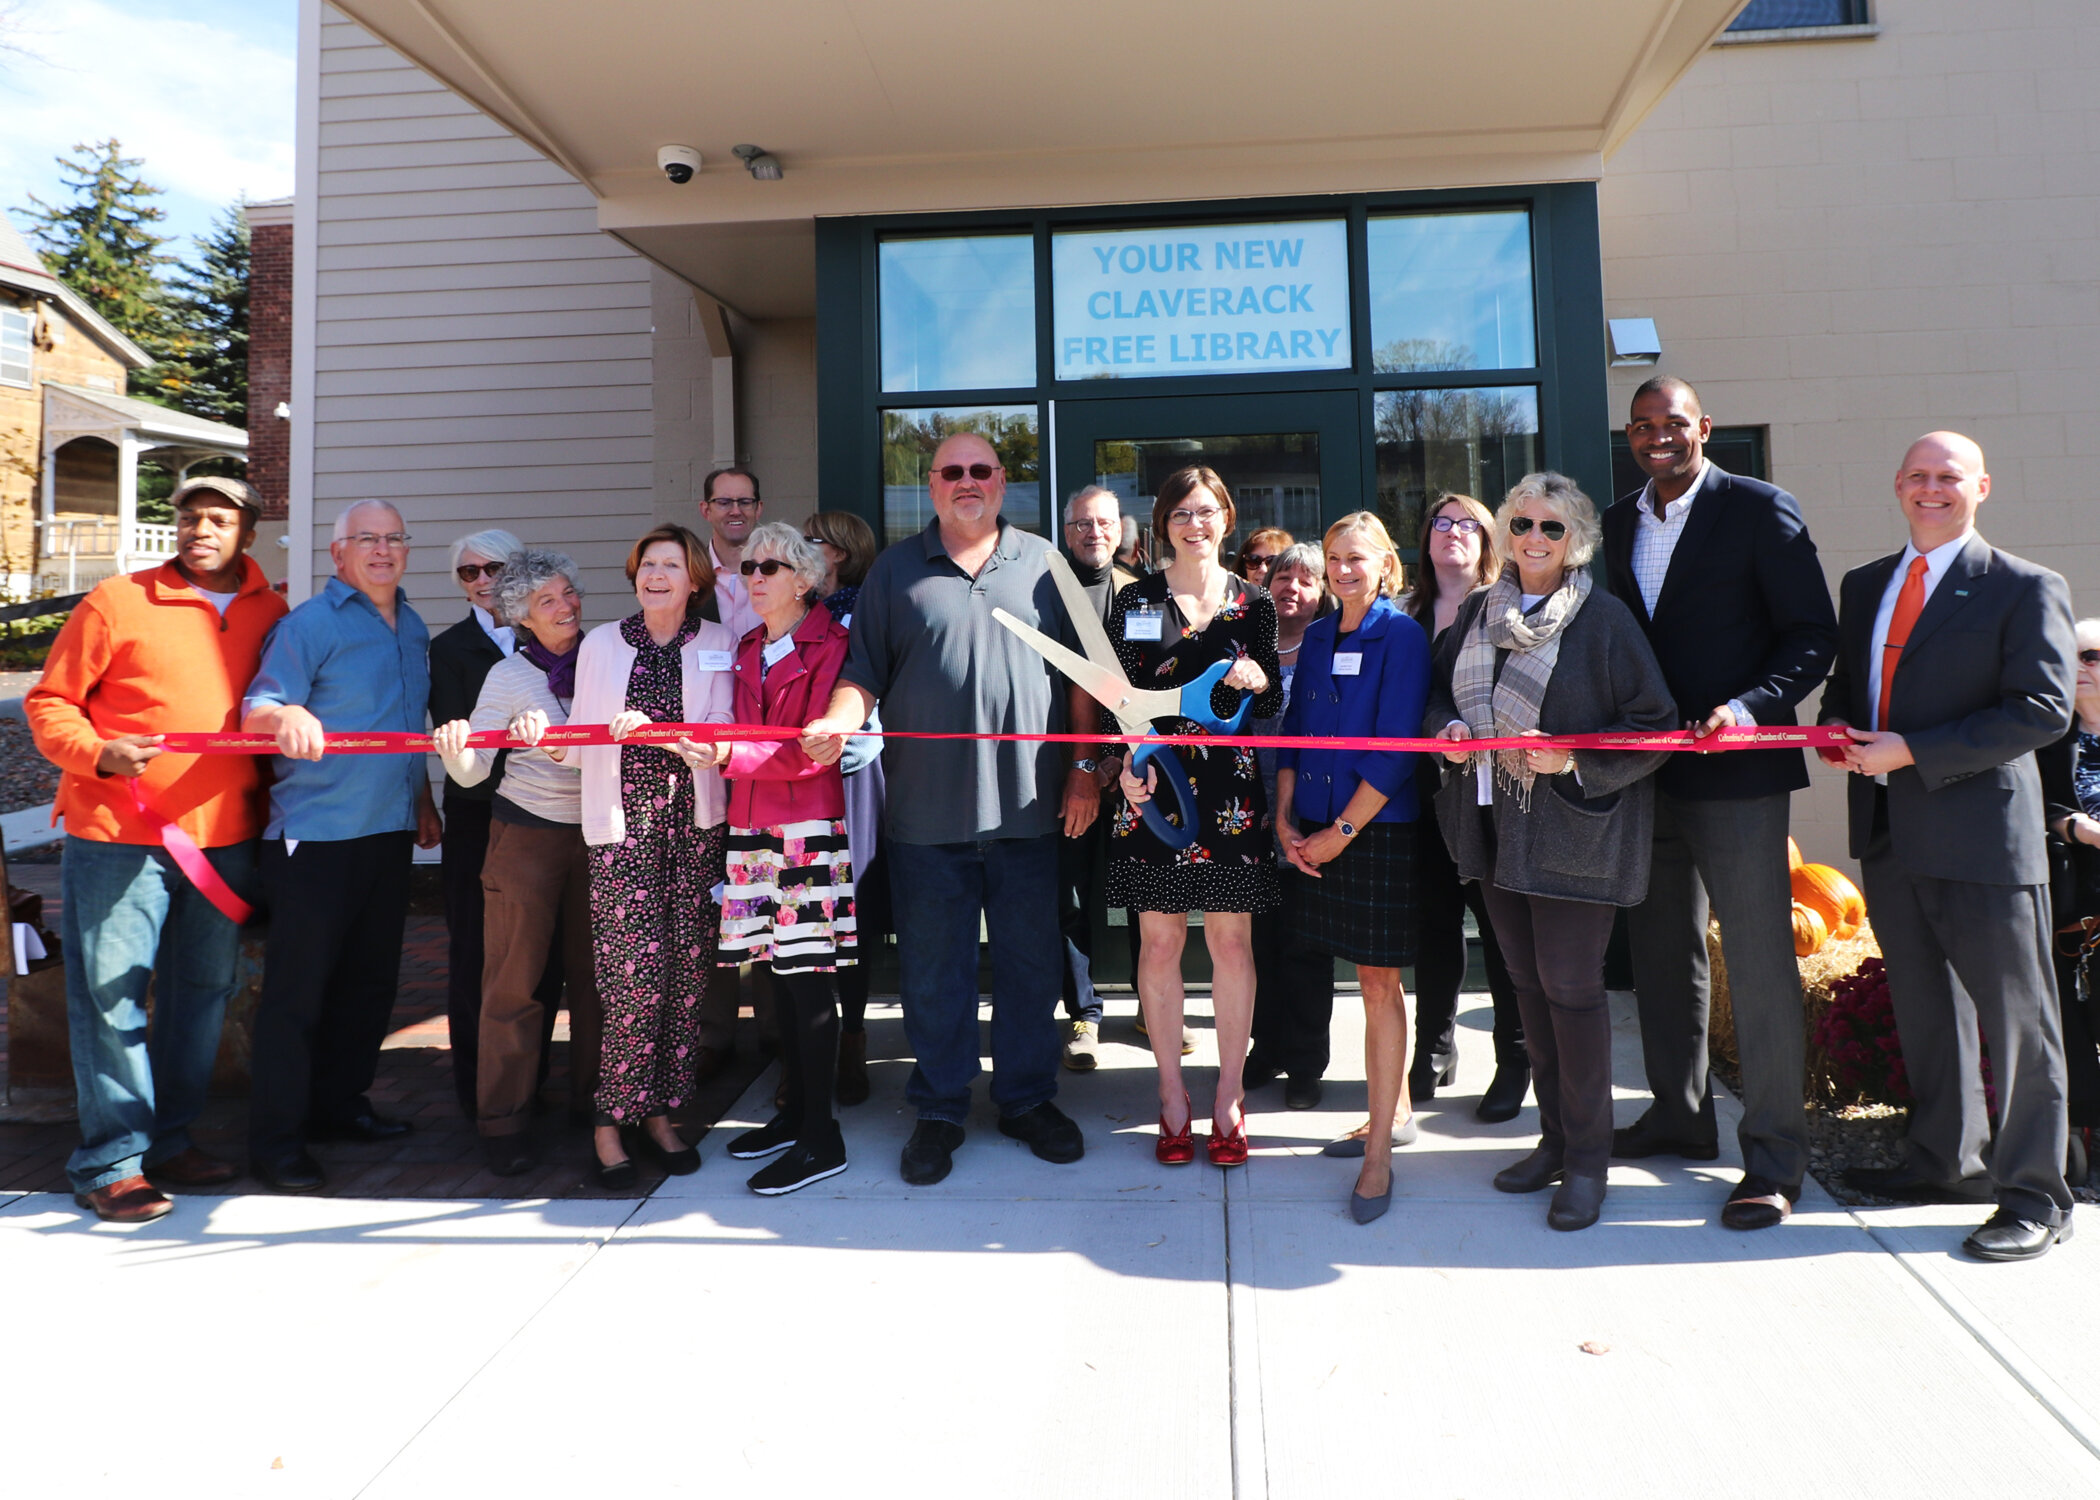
(212, 306)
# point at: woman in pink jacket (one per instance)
(788, 896)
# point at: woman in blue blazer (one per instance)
(1344, 817)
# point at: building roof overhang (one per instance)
(904, 106)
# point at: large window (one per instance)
(14, 346)
(958, 314)
(909, 438)
(1474, 441)
(1451, 291)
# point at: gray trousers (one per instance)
(1960, 954)
(1733, 853)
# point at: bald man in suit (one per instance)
(1959, 660)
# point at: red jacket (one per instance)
(773, 782)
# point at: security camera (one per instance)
(678, 162)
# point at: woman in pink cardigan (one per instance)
(788, 896)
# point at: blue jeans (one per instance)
(939, 891)
(130, 917)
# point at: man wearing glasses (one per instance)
(336, 853)
(973, 824)
(1093, 527)
(730, 507)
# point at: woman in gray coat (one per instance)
(1557, 839)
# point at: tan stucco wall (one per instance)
(1855, 242)
(73, 359)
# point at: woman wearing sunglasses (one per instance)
(1457, 549)
(2071, 786)
(1558, 840)
(460, 661)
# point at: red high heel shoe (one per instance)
(1229, 1150)
(1176, 1150)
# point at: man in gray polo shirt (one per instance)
(973, 825)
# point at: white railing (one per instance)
(79, 553)
(151, 543)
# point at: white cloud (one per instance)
(209, 106)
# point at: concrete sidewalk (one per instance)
(1109, 1329)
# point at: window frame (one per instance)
(28, 316)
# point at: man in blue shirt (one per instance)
(336, 852)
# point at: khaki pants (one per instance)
(533, 876)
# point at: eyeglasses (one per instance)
(953, 473)
(1552, 531)
(1185, 517)
(2089, 658)
(736, 502)
(468, 572)
(365, 541)
(769, 567)
(1111, 523)
(1463, 525)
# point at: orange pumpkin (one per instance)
(1793, 856)
(1834, 898)
(1810, 930)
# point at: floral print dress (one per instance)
(1230, 866)
(653, 912)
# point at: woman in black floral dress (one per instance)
(1167, 629)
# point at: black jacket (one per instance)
(461, 658)
(1744, 613)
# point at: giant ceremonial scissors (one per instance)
(1101, 674)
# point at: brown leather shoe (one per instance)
(130, 1200)
(193, 1168)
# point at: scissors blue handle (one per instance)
(1195, 706)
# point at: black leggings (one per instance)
(807, 1007)
(1441, 902)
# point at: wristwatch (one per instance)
(1086, 763)
(1347, 828)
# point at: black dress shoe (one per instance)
(369, 1126)
(1302, 1093)
(930, 1153)
(1576, 1204)
(1504, 1099)
(1047, 1131)
(1905, 1184)
(1759, 1203)
(1430, 1073)
(682, 1162)
(294, 1174)
(2007, 1236)
(1259, 1072)
(1537, 1171)
(507, 1155)
(1637, 1141)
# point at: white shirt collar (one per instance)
(502, 635)
(1938, 558)
(1682, 503)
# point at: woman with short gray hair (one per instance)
(537, 871)
(460, 659)
(1557, 839)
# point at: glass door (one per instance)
(1290, 460)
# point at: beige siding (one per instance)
(482, 353)
(1855, 242)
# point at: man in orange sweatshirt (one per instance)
(167, 648)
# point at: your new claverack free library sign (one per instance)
(1210, 300)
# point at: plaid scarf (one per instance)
(1497, 708)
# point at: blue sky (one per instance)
(203, 90)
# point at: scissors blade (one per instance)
(1086, 620)
(1108, 686)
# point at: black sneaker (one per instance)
(801, 1166)
(1048, 1131)
(776, 1134)
(930, 1153)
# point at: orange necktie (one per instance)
(1909, 604)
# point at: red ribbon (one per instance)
(190, 860)
(395, 742)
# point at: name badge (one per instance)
(1142, 625)
(1348, 663)
(714, 661)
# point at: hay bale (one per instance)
(1835, 960)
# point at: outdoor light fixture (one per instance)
(762, 163)
(1634, 341)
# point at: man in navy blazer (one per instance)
(1948, 826)
(1720, 571)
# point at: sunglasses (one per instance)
(1552, 531)
(468, 572)
(769, 567)
(2089, 658)
(953, 473)
(1465, 525)
(1259, 561)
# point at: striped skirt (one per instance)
(787, 898)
